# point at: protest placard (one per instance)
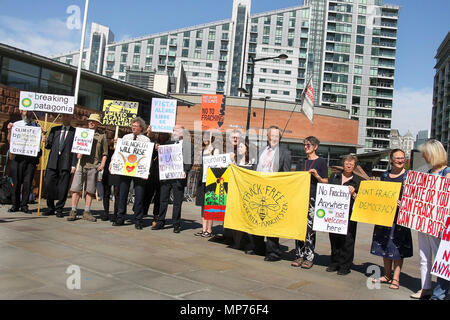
(132, 158)
(376, 202)
(164, 115)
(25, 140)
(424, 203)
(119, 113)
(212, 111)
(332, 208)
(216, 190)
(441, 265)
(170, 157)
(83, 140)
(33, 101)
(218, 161)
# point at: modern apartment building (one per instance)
(441, 95)
(347, 46)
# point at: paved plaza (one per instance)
(125, 263)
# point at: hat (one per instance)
(94, 117)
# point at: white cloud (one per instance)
(412, 110)
(46, 37)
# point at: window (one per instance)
(162, 51)
(357, 80)
(212, 35)
(210, 45)
(361, 30)
(267, 20)
(199, 34)
(149, 50)
(360, 39)
(136, 59)
(226, 26)
(163, 40)
(358, 70)
(359, 50)
(210, 55)
(185, 53)
(186, 43)
(356, 90)
(123, 58)
(137, 48)
(358, 59)
(187, 34)
(198, 43)
(361, 20)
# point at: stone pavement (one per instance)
(125, 263)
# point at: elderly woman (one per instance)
(343, 246)
(393, 243)
(318, 168)
(434, 154)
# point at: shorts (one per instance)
(83, 175)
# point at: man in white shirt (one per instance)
(22, 168)
(138, 128)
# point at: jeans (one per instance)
(441, 289)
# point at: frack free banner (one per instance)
(376, 202)
(33, 101)
(268, 204)
(425, 203)
(132, 158)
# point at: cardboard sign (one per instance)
(132, 158)
(119, 113)
(83, 140)
(216, 190)
(218, 161)
(212, 111)
(164, 115)
(441, 265)
(25, 140)
(33, 101)
(376, 202)
(425, 203)
(170, 157)
(332, 208)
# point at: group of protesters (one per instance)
(393, 244)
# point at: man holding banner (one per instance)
(61, 164)
(138, 129)
(22, 166)
(87, 170)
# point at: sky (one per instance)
(42, 27)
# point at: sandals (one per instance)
(383, 279)
(297, 262)
(207, 234)
(394, 286)
(200, 233)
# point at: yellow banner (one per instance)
(45, 152)
(376, 202)
(268, 204)
(119, 113)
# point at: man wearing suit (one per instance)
(176, 185)
(273, 158)
(60, 165)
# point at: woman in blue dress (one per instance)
(393, 243)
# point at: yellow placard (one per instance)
(119, 113)
(268, 204)
(376, 202)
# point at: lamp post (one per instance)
(252, 62)
(264, 114)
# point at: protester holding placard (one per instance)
(317, 166)
(138, 129)
(343, 246)
(60, 165)
(22, 167)
(208, 150)
(435, 155)
(393, 243)
(175, 185)
(273, 158)
(87, 170)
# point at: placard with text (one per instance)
(83, 140)
(25, 140)
(170, 157)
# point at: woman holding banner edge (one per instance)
(394, 243)
(434, 154)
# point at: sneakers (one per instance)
(88, 216)
(72, 216)
(422, 294)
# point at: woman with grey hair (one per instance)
(343, 245)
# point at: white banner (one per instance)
(218, 161)
(308, 101)
(441, 265)
(332, 208)
(164, 115)
(83, 140)
(170, 158)
(33, 101)
(132, 158)
(25, 140)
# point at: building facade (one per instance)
(421, 137)
(348, 47)
(406, 142)
(441, 95)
